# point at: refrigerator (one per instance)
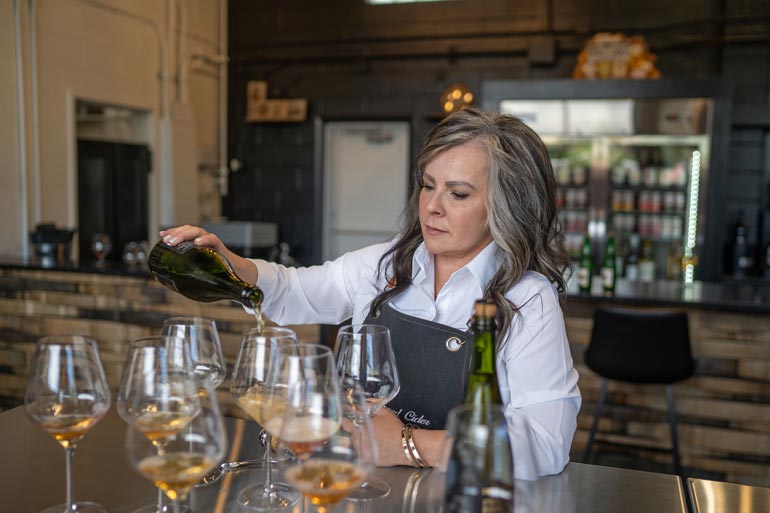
(633, 165)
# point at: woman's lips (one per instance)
(433, 231)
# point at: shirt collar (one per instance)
(482, 267)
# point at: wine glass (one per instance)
(305, 374)
(329, 464)
(101, 245)
(250, 389)
(157, 395)
(205, 349)
(365, 359)
(66, 395)
(186, 457)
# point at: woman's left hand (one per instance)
(387, 432)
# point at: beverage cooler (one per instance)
(633, 165)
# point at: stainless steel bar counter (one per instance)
(32, 478)
(716, 496)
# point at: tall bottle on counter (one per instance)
(482, 388)
(200, 274)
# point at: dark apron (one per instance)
(433, 363)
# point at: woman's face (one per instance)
(453, 212)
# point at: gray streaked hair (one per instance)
(521, 206)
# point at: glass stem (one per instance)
(161, 508)
(175, 506)
(360, 433)
(268, 468)
(69, 454)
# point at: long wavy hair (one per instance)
(521, 207)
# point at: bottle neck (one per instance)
(484, 340)
(251, 297)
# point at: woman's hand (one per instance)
(387, 428)
(245, 269)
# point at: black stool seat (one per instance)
(640, 346)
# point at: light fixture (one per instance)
(456, 97)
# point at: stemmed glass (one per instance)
(200, 337)
(101, 245)
(66, 395)
(205, 348)
(186, 457)
(249, 386)
(365, 359)
(305, 374)
(157, 395)
(327, 464)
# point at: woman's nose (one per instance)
(433, 204)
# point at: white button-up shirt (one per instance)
(538, 383)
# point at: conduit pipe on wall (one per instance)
(181, 65)
(223, 167)
(34, 121)
(22, 131)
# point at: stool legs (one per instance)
(672, 423)
(597, 414)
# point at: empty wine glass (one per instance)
(66, 395)
(157, 395)
(249, 386)
(205, 348)
(365, 359)
(101, 245)
(329, 463)
(186, 457)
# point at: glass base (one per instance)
(281, 496)
(373, 488)
(77, 507)
(165, 508)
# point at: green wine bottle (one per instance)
(201, 274)
(608, 267)
(482, 383)
(585, 268)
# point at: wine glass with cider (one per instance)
(66, 395)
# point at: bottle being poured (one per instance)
(202, 274)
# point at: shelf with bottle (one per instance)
(647, 201)
(661, 226)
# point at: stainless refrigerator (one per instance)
(632, 160)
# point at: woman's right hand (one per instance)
(244, 268)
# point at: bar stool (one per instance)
(640, 346)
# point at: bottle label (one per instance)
(583, 277)
(608, 278)
(183, 247)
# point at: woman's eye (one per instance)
(459, 195)
(426, 187)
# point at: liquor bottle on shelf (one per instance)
(674, 261)
(647, 263)
(632, 262)
(742, 260)
(482, 389)
(585, 269)
(609, 267)
(200, 274)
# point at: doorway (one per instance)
(366, 181)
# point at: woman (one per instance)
(481, 222)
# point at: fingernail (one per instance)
(198, 240)
(166, 238)
(172, 240)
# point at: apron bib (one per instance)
(433, 363)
